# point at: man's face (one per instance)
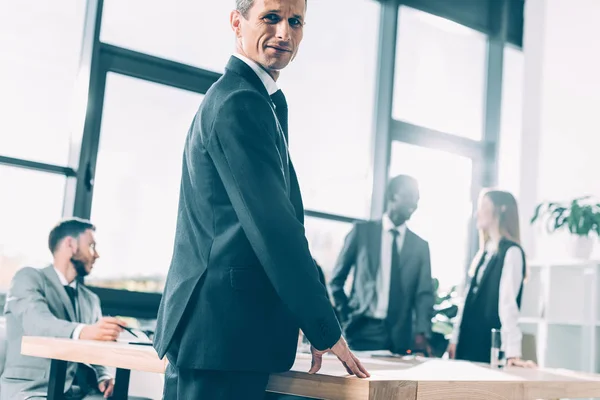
(271, 32)
(84, 253)
(403, 204)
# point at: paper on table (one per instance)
(126, 337)
(441, 370)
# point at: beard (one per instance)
(79, 266)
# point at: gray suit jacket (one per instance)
(411, 297)
(38, 305)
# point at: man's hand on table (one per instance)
(106, 329)
(343, 353)
(107, 387)
(421, 345)
(517, 362)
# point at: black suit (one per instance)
(411, 289)
(242, 280)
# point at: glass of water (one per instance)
(497, 359)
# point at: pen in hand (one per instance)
(128, 330)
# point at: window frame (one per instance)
(503, 24)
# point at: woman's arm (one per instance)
(508, 310)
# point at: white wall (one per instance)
(561, 111)
(146, 384)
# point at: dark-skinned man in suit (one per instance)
(242, 281)
(392, 284)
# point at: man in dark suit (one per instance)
(242, 280)
(392, 278)
(51, 302)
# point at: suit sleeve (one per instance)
(424, 300)
(102, 373)
(345, 261)
(26, 300)
(508, 309)
(243, 148)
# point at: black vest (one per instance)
(480, 314)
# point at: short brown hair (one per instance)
(71, 227)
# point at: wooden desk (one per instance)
(124, 357)
(391, 378)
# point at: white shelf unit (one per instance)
(559, 307)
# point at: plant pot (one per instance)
(580, 247)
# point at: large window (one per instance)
(330, 91)
(144, 126)
(31, 203)
(326, 239)
(438, 81)
(509, 160)
(191, 31)
(440, 74)
(445, 207)
(40, 43)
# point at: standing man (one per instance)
(242, 280)
(392, 278)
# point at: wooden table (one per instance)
(125, 357)
(391, 378)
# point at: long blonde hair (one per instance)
(507, 211)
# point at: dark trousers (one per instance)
(187, 384)
(368, 334)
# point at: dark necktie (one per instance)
(395, 253)
(73, 296)
(395, 297)
(281, 110)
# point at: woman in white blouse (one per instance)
(494, 293)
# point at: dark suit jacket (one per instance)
(362, 251)
(242, 280)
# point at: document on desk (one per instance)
(139, 338)
(441, 370)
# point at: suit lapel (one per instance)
(60, 290)
(408, 250)
(242, 69)
(295, 195)
(374, 249)
(85, 307)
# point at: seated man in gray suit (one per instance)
(51, 302)
(392, 278)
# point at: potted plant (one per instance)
(580, 217)
(445, 310)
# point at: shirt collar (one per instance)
(264, 76)
(388, 225)
(63, 279)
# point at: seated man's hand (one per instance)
(107, 387)
(107, 329)
(421, 345)
(343, 353)
(517, 362)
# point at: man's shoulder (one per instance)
(418, 239)
(232, 89)
(365, 227)
(28, 275)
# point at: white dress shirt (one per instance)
(508, 309)
(264, 76)
(73, 284)
(380, 308)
